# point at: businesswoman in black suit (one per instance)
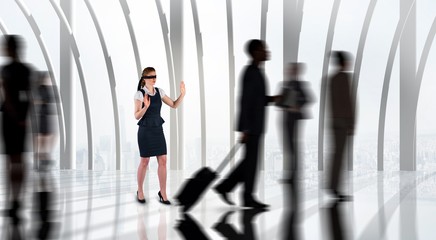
(151, 139)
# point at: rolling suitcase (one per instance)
(194, 187)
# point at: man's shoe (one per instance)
(250, 213)
(224, 196)
(344, 198)
(341, 197)
(255, 204)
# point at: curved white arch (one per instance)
(169, 56)
(126, 12)
(359, 57)
(422, 65)
(384, 97)
(3, 28)
(263, 19)
(50, 68)
(199, 43)
(328, 48)
(231, 55)
(76, 54)
(424, 56)
(112, 82)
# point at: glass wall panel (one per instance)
(120, 63)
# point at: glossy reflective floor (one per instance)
(102, 205)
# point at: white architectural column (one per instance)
(176, 33)
(292, 19)
(232, 80)
(407, 87)
(408, 208)
(67, 86)
(323, 91)
(199, 44)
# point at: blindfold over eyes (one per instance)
(148, 77)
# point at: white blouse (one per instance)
(140, 97)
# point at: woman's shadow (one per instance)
(142, 230)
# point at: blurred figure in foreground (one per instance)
(334, 221)
(45, 187)
(342, 116)
(294, 98)
(15, 86)
(251, 125)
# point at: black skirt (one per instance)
(151, 141)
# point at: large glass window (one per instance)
(119, 62)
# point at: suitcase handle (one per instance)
(229, 156)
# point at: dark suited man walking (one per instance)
(342, 119)
(15, 85)
(251, 125)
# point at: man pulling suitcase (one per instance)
(251, 124)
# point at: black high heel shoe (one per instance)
(161, 200)
(139, 200)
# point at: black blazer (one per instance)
(253, 101)
(303, 97)
(341, 98)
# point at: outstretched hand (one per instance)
(182, 88)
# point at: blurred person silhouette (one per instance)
(342, 120)
(334, 221)
(15, 84)
(251, 125)
(293, 99)
(228, 231)
(151, 139)
(290, 228)
(44, 101)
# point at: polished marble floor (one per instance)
(102, 205)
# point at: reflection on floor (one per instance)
(102, 205)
